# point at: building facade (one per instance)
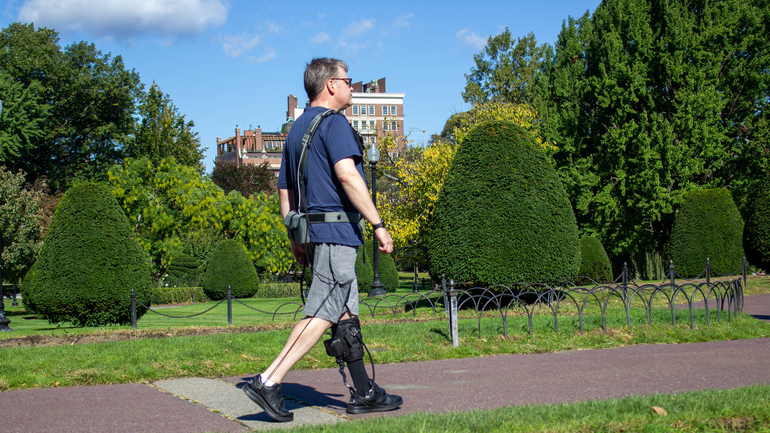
(374, 113)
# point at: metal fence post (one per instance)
(133, 309)
(672, 275)
(453, 313)
(229, 306)
(443, 290)
(708, 272)
(625, 281)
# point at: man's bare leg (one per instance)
(304, 336)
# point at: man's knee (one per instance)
(346, 341)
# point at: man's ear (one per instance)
(331, 87)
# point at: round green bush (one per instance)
(365, 272)
(229, 265)
(594, 262)
(89, 263)
(708, 226)
(184, 270)
(756, 234)
(503, 216)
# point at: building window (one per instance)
(371, 110)
(355, 124)
(355, 110)
(393, 126)
(363, 125)
(393, 156)
(392, 110)
(384, 125)
(372, 125)
(384, 110)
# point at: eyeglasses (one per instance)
(347, 81)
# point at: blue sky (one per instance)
(227, 63)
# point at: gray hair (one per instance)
(318, 72)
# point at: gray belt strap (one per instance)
(334, 217)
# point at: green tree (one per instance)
(419, 175)
(708, 226)
(230, 266)
(89, 263)
(163, 132)
(505, 71)
(248, 179)
(594, 262)
(20, 120)
(503, 216)
(90, 99)
(649, 99)
(756, 235)
(21, 235)
(175, 209)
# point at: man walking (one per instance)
(334, 184)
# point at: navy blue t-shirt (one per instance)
(332, 142)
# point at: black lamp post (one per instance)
(4, 322)
(373, 155)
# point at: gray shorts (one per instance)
(334, 270)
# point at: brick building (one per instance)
(375, 113)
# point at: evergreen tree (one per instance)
(503, 216)
(89, 263)
(163, 132)
(708, 226)
(649, 99)
(230, 266)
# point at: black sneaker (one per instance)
(269, 398)
(376, 400)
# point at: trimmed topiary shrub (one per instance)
(707, 226)
(594, 262)
(89, 263)
(756, 234)
(365, 272)
(229, 265)
(503, 216)
(184, 270)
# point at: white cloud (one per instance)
(320, 38)
(352, 48)
(272, 27)
(403, 21)
(271, 54)
(238, 45)
(471, 39)
(358, 28)
(124, 19)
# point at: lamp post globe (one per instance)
(373, 155)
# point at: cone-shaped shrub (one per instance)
(594, 262)
(365, 272)
(229, 265)
(184, 269)
(89, 262)
(503, 215)
(707, 226)
(756, 234)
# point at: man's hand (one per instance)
(299, 254)
(384, 239)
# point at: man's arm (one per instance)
(358, 193)
(285, 200)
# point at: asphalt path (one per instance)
(318, 396)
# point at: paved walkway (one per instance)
(201, 405)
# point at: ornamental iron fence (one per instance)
(639, 303)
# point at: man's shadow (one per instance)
(293, 394)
